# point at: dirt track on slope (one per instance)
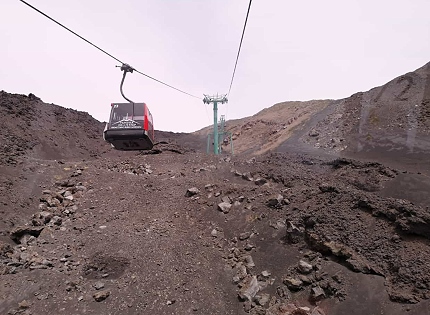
(133, 230)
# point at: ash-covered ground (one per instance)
(333, 219)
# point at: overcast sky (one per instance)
(292, 50)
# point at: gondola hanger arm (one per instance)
(126, 68)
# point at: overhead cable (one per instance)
(172, 87)
(152, 78)
(240, 46)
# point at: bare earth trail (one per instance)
(149, 251)
(134, 232)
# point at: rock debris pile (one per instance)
(129, 167)
(56, 206)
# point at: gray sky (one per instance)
(293, 50)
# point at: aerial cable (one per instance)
(70, 30)
(152, 78)
(172, 87)
(240, 46)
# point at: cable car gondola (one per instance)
(130, 125)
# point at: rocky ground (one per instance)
(85, 229)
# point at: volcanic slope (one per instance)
(268, 129)
(388, 123)
(180, 232)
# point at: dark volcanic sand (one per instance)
(361, 220)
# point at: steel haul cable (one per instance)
(237, 57)
(152, 78)
(240, 46)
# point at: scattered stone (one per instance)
(320, 275)
(45, 216)
(67, 193)
(275, 201)
(24, 305)
(44, 296)
(65, 183)
(260, 181)
(293, 284)
(237, 173)
(209, 187)
(226, 199)
(241, 271)
(278, 225)
(42, 206)
(27, 239)
(248, 247)
(47, 263)
(236, 279)
(262, 299)
(325, 188)
(317, 311)
(293, 234)
(53, 202)
(99, 285)
(304, 267)
(305, 279)
(249, 288)
(247, 176)
(247, 306)
(317, 293)
(76, 173)
(5, 250)
(244, 236)
(192, 192)
(101, 296)
(308, 162)
(282, 309)
(214, 233)
(224, 207)
(310, 222)
(81, 188)
(351, 259)
(337, 278)
(283, 292)
(396, 238)
(56, 220)
(17, 233)
(251, 161)
(249, 262)
(266, 273)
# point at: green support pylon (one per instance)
(215, 100)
